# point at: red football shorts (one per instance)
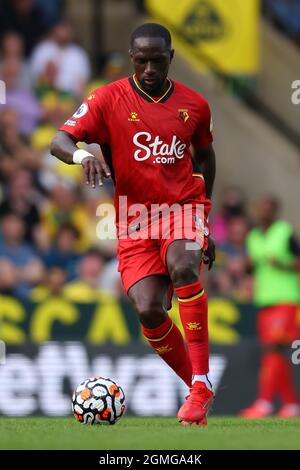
(278, 324)
(143, 252)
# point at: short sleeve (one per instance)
(88, 123)
(202, 136)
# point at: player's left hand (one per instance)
(209, 255)
(95, 168)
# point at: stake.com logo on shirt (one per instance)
(164, 153)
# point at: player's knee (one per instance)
(184, 273)
(151, 314)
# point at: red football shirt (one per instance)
(146, 141)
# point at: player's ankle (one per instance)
(203, 378)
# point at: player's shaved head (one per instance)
(151, 55)
(151, 30)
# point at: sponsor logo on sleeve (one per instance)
(70, 122)
(81, 111)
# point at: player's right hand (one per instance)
(95, 169)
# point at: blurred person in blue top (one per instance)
(63, 253)
(20, 268)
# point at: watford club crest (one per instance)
(183, 114)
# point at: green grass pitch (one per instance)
(149, 433)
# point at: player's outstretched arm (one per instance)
(206, 159)
(64, 147)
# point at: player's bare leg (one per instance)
(149, 297)
(183, 266)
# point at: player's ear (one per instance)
(172, 52)
(130, 52)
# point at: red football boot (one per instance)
(196, 407)
(290, 410)
(258, 409)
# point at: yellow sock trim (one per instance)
(163, 337)
(190, 299)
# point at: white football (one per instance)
(98, 401)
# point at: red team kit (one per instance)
(149, 168)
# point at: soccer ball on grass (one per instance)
(98, 401)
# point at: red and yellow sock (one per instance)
(193, 313)
(168, 342)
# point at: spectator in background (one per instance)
(22, 100)
(20, 199)
(100, 229)
(12, 46)
(63, 253)
(231, 276)
(233, 204)
(24, 17)
(62, 207)
(51, 10)
(56, 109)
(235, 243)
(69, 64)
(86, 287)
(12, 49)
(20, 268)
(14, 145)
(110, 280)
(275, 256)
(8, 167)
(51, 286)
(114, 69)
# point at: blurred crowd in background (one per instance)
(284, 15)
(48, 237)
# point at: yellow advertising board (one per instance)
(222, 34)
